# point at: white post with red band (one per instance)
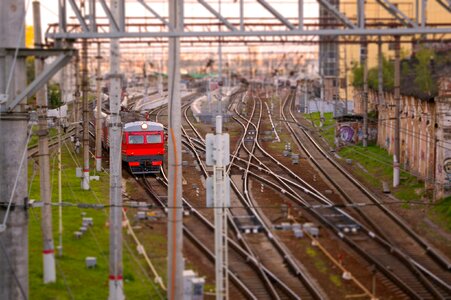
(116, 283)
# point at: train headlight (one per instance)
(144, 126)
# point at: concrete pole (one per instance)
(220, 51)
(85, 91)
(77, 96)
(160, 81)
(175, 225)
(63, 86)
(322, 98)
(116, 283)
(48, 251)
(60, 195)
(220, 213)
(301, 14)
(365, 92)
(417, 11)
(241, 16)
(346, 79)
(13, 136)
(380, 78)
(397, 96)
(99, 112)
(424, 4)
(146, 83)
(364, 63)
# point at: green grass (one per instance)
(311, 252)
(319, 263)
(335, 279)
(441, 213)
(34, 137)
(328, 129)
(378, 163)
(284, 139)
(73, 278)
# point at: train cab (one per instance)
(143, 146)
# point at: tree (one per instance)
(373, 76)
(423, 72)
(357, 75)
(54, 95)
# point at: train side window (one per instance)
(136, 139)
(153, 138)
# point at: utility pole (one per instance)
(218, 197)
(99, 112)
(380, 78)
(116, 282)
(175, 208)
(60, 193)
(322, 99)
(160, 80)
(77, 96)
(346, 80)
(85, 91)
(396, 156)
(146, 84)
(13, 143)
(220, 82)
(306, 100)
(63, 86)
(365, 93)
(48, 251)
(364, 63)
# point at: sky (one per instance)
(229, 8)
(287, 8)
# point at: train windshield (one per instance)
(153, 138)
(136, 139)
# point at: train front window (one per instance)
(136, 139)
(153, 138)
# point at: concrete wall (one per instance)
(443, 138)
(425, 137)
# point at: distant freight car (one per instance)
(142, 146)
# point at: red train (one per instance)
(142, 146)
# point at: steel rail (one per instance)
(407, 260)
(284, 252)
(263, 271)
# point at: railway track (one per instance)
(404, 257)
(403, 273)
(53, 142)
(407, 276)
(252, 279)
(245, 269)
(270, 251)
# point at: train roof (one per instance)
(138, 126)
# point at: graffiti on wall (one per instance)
(447, 169)
(372, 134)
(350, 131)
(346, 134)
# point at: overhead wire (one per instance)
(19, 169)
(35, 218)
(98, 206)
(363, 204)
(409, 132)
